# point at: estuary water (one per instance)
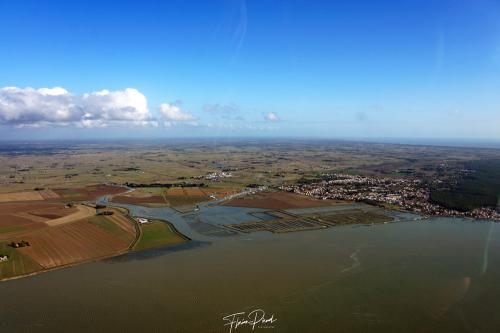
(435, 275)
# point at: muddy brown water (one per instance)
(438, 275)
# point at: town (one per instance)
(406, 194)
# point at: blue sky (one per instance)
(353, 69)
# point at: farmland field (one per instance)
(75, 166)
(156, 234)
(193, 191)
(54, 212)
(59, 235)
(18, 263)
(9, 229)
(49, 194)
(21, 196)
(175, 191)
(179, 196)
(88, 192)
(71, 243)
(182, 200)
(81, 212)
(117, 225)
(277, 200)
(137, 200)
(219, 192)
(28, 216)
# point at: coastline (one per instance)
(129, 249)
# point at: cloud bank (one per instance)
(57, 107)
(25, 107)
(271, 116)
(173, 114)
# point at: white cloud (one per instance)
(173, 113)
(28, 107)
(271, 116)
(53, 91)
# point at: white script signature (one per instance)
(256, 318)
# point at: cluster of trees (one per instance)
(479, 188)
(106, 212)
(22, 243)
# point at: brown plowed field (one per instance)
(11, 225)
(31, 218)
(82, 212)
(278, 200)
(71, 243)
(53, 213)
(49, 194)
(8, 232)
(12, 214)
(193, 191)
(7, 220)
(175, 191)
(8, 208)
(21, 196)
(185, 196)
(89, 192)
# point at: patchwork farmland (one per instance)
(71, 243)
(88, 192)
(18, 217)
(46, 229)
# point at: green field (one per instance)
(181, 200)
(154, 205)
(70, 193)
(157, 234)
(12, 228)
(17, 265)
(152, 190)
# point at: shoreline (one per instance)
(138, 234)
(129, 249)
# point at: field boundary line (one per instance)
(82, 213)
